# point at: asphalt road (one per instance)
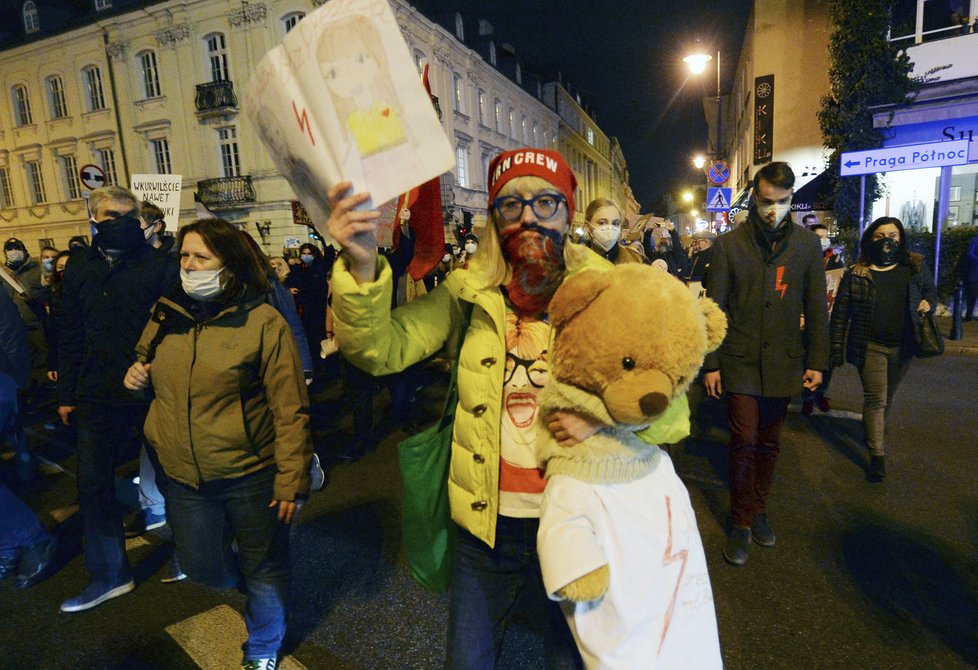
(863, 575)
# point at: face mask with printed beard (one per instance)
(780, 212)
(536, 256)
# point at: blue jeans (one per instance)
(486, 585)
(207, 519)
(19, 526)
(105, 433)
(10, 426)
(150, 496)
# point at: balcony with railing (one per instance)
(226, 192)
(940, 38)
(216, 97)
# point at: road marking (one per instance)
(213, 640)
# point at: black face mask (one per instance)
(122, 234)
(884, 251)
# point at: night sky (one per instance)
(625, 59)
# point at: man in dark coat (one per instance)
(766, 274)
(109, 289)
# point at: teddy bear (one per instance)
(618, 543)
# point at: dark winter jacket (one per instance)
(699, 265)
(103, 314)
(764, 293)
(30, 304)
(15, 356)
(852, 312)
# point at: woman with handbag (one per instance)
(881, 308)
(494, 484)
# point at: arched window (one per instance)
(290, 20)
(459, 27)
(22, 106)
(151, 74)
(217, 56)
(92, 83)
(56, 97)
(31, 22)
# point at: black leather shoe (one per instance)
(761, 531)
(738, 546)
(877, 469)
(35, 561)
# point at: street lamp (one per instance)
(699, 161)
(697, 63)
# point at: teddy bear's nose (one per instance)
(653, 404)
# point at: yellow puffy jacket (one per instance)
(383, 342)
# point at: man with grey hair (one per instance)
(109, 289)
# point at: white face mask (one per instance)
(780, 211)
(15, 255)
(605, 236)
(826, 243)
(202, 284)
(470, 248)
(446, 258)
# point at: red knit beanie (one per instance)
(549, 165)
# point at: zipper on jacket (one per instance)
(198, 327)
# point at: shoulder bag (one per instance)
(428, 530)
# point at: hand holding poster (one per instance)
(340, 99)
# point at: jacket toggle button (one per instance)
(479, 505)
(479, 410)
(488, 362)
(478, 458)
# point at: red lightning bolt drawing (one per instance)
(667, 558)
(303, 121)
(778, 286)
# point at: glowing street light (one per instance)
(697, 62)
(699, 161)
(687, 196)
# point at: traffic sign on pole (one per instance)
(907, 157)
(92, 176)
(718, 199)
(719, 173)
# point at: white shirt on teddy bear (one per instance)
(658, 611)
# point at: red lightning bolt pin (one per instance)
(778, 286)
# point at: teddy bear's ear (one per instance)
(577, 293)
(716, 323)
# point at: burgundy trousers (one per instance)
(755, 441)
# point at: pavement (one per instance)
(862, 576)
(967, 344)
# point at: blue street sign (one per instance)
(909, 157)
(719, 173)
(718, 199)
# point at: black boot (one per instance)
(877, 469)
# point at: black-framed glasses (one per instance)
(535, 374)
(510, 207)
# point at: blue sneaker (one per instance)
(94, 595)
(142, 521)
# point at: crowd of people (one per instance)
(200, 349)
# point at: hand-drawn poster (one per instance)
(340, 99)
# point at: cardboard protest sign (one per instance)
(832, 280)
(340, 99)
(163, 190)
